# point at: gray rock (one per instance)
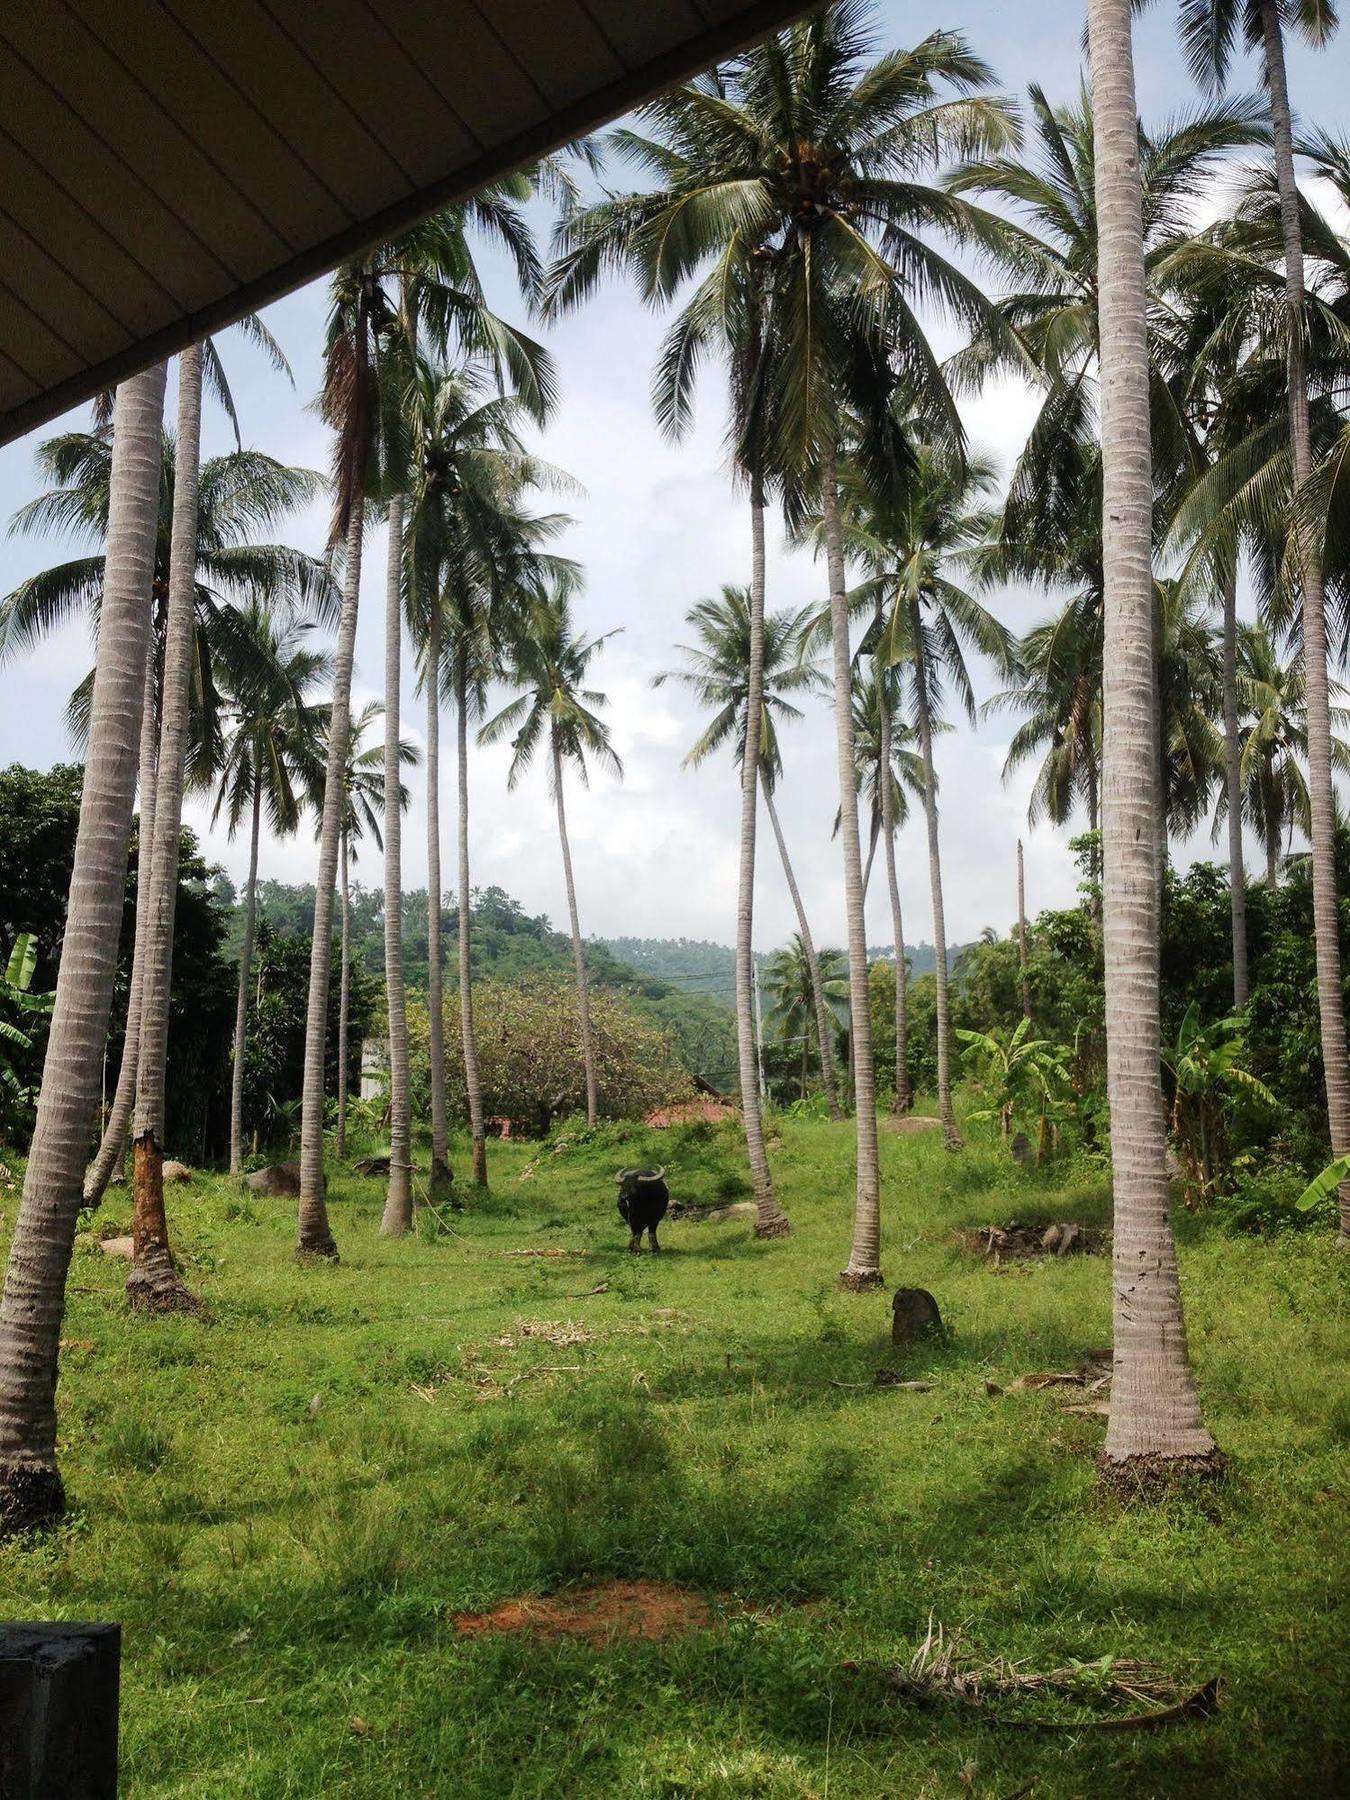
(1021, 1149)
(281, 1179)
(915, 1315)
(176, 1171)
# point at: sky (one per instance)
(657, 527)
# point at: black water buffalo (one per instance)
(643, 1199)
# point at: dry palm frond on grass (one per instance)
(939, 1671)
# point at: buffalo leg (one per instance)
(635, 1243)
(651, 1233)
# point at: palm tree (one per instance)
(269, 754)
(792, 181)
(914, 552)
(237, 494)
(1273, 742)
(552, 662)
(1155, 1423)
(475, 562)
(422, 283)
(153, 1283)
(791, 980)
(717, 672)
(33, 1304)
(1210, 29)
(889, 770)
(362, 814)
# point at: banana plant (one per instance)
(19, 1066)
(1021, 1076)
(1206, 1069)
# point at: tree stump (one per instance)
(58, 1711)
(915, 1315)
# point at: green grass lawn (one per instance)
(288, 1503)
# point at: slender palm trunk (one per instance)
(1272, 860)
(245, 975)
(153, 1283)
(1155, 1421)
(578, 950)
(314, 1234)
(770, 1219)
(1022, 930)
(872, 842)
(344, 992)
(398, 1201)
(112, 1149)
(473, 1086)
(1232, 757)
(1321, 789)
(902, 1099)
(441, 1177)
(864, 1262)
(33, 1303)
(951, 1136)
(812, 959)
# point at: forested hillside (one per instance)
(509, 943)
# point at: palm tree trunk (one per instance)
(314, 1234)
(902, 1099)
(344, 993)
(873, 839)
(1321, 789)
(770, 1219)
(1155, 1421)
(578, 950)
(398, 1201)
(950, 1135)
(245, 974)
(1232, 756)
(1272, 860)
(33, 1304)
(112, 1149)
(812, 959)
(153, 1283)
(441, 1177)
(1022, 930)
(473, 1087)
(864, 1262)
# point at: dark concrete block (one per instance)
(58, 1711)
(916, 1316)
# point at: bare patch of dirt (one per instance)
(1017, 1243)
(552, 1254)
(908, 1124)
(546, 1331)
(613, 1612)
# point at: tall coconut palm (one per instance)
(792, 183)
(154, 1284)
(1155, 1423)
(422, 285)
(1210, 30)
(238, 494)
(717, 672)
(269, 749)
(552, 661)
(474, 562)
(33, 1303)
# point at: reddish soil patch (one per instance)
(630, 1611)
